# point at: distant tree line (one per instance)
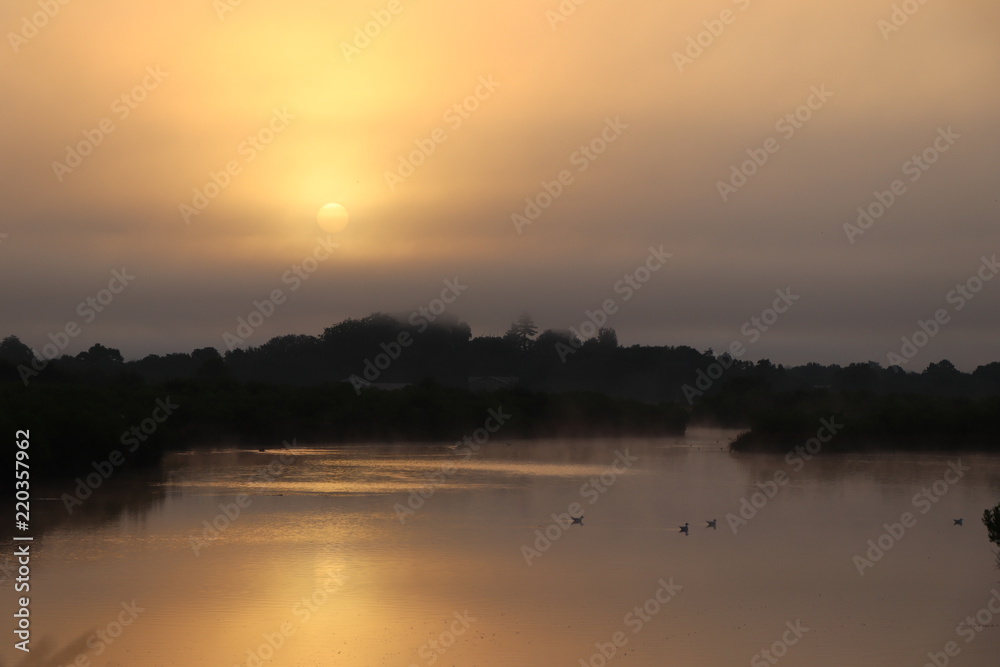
(782, 420)
(555, 383)
(446, 352)
(94, 405)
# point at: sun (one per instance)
(332, 218)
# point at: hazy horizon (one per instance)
(129, 354)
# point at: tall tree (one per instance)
(14, 351)
(522, 332)
(607, 337)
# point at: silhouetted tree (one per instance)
(607, 337)
(522, 332)
(988, 372)
(210, 363)
(942, 377)
(101, 356)
(14, 351)
(859, 376)
(991, 519)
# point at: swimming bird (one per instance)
(684, 529)
(958, 522)
(577, 519)
(712, 523)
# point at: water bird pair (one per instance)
(687, 528)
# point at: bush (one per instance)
(991, 518)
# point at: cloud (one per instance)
(657, 183)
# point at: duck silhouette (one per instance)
(958, 522)
(712, 523)
(577, 519)
(684, 528)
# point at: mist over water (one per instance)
(425, 554)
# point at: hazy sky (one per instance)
(114, 113)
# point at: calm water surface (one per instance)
(325, 564)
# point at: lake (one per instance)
(424, 554)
